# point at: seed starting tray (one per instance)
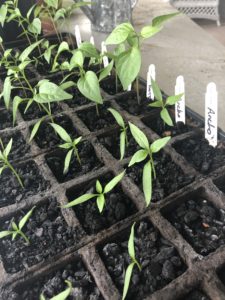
(201, 270)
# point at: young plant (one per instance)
(128, 63)
(146, 152)
(4, 160)
(99, 195)
(123, 129)
(70, 145)
(63, 295)
(129, 270)
(171, 100)
(17, 229)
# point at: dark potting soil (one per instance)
(221, 274)
(46, 136)
(78, 98)
(159, 259)
(84, 287)
(129, 103)
(47, 232)
(12, 192)
(89, 162)
(169, 176)
(109, 85)
(112, 144)
(95, 122)
(36, 112)
(195, 295)
(117, 207)
(6, 119)
(201, 155)
(200, 223)
(19, 146)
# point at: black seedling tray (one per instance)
(187, 206)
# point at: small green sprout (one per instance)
(171, 100)
(70, 145)
(129, 270)
(17, 229)
(146, 151)
(4, 161)
(123, 129)
(100, 193)
(63, 295)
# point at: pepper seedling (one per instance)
(63, 295)
(99, 195)
(17, 229)
(147, 151)
(171, 100)
(4, 160)
(70, 145)
(123, 129)
(129, 270)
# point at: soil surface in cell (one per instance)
(83, 285)
(201, 155)
(112, 144)
(117, 207)
(159, 260)
(109, 86)
(12, 192)
(200, 223)
(94, 121)
(129, 103)
(6, 119)
(36, 112)
(195, 295)
(47, 232)
(88, 158)
(20, 148)
(46, 136)
(169, 177)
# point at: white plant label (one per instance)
(180, 105)
(150, 76)
(78, 35)
(92, 41)
(105, 58)
(129, 87)
(211, 114)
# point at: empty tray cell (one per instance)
(88, 158)
(110, 86)
(6, 119)
(46, 136)
(129, 103)
(198, 221)
(94, 121)
(111, 141)
(12, 192)
(117, 206)
(52, 284)
(200, 154)
(20, 148)
(169, 177)
(195, 295)
(47, 232)
(158, 258)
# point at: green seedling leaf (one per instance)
(52, 3)
(156, 91)
(80, 200)
(65, 146)
(131, 249)
(147, 182)
(50, 92)
(35, 128)
(171, 100)
(14, 226)
(16, 102)
(63, 47)
(7, 88)
(89, 87)
(119, 49)
(67, 161)
(156, 104)
(109, 186)
(77, 59)
(48, 53)
(139, 156)
(100, 202)
(89, 50)
(24, 220)
(24, 55)
(60, 14)
(3, 14)
(8, 148)
(2, 169)
(128, 66)
(63, 295)
(66, 85)
(139, 136)
(159, 144)
(77, 140)
(158, 21)
(122, 144)
(98, 187)
(35, 26)
(149, 31)
(166, 117)
(61, 132)
(5, 233)
(117, 116)
(119, 34)
(128, 274)
(106, 71)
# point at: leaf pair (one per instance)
(171, 100)
(146, 152)
(99, 195)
